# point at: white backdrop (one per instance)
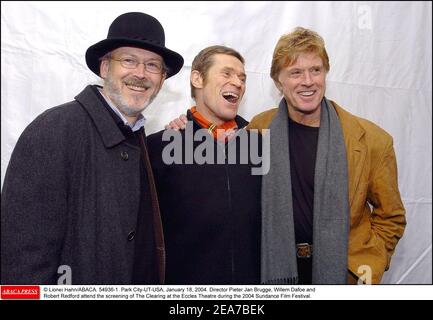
(380, 55)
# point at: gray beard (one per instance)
(115, 96)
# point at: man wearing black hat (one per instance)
(79, 204)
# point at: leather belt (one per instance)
(304, 250)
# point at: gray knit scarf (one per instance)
(331, 205)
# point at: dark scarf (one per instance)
(331, 206)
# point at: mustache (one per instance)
(139, 83)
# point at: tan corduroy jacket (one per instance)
(377, 214)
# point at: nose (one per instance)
(237, 81)
(140, 70)
(307, 79)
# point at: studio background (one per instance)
(381, 69)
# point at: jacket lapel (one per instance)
(356, 150)
(107, 128)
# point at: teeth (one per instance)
(306, 93)
(231, 94)
(136, 87)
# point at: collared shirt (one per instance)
(137, 125)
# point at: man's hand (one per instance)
(178, 123)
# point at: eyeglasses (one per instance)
(151, 66)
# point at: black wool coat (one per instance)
(210, 214)
(70, 199)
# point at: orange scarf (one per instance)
(229, 127)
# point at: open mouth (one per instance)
(231, 97)
(138, 88)
(307, 93)
(138, 85)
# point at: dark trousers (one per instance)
(305, 270)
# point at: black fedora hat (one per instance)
(135, 29)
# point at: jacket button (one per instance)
(124, 155)
(131, 236)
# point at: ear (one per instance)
(278, 85)
(196, 79)
(103, 68)
(162, 81)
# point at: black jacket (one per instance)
(71, 198)
(210, 214)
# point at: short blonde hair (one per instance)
(292, 44)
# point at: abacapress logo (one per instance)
(20, 292)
